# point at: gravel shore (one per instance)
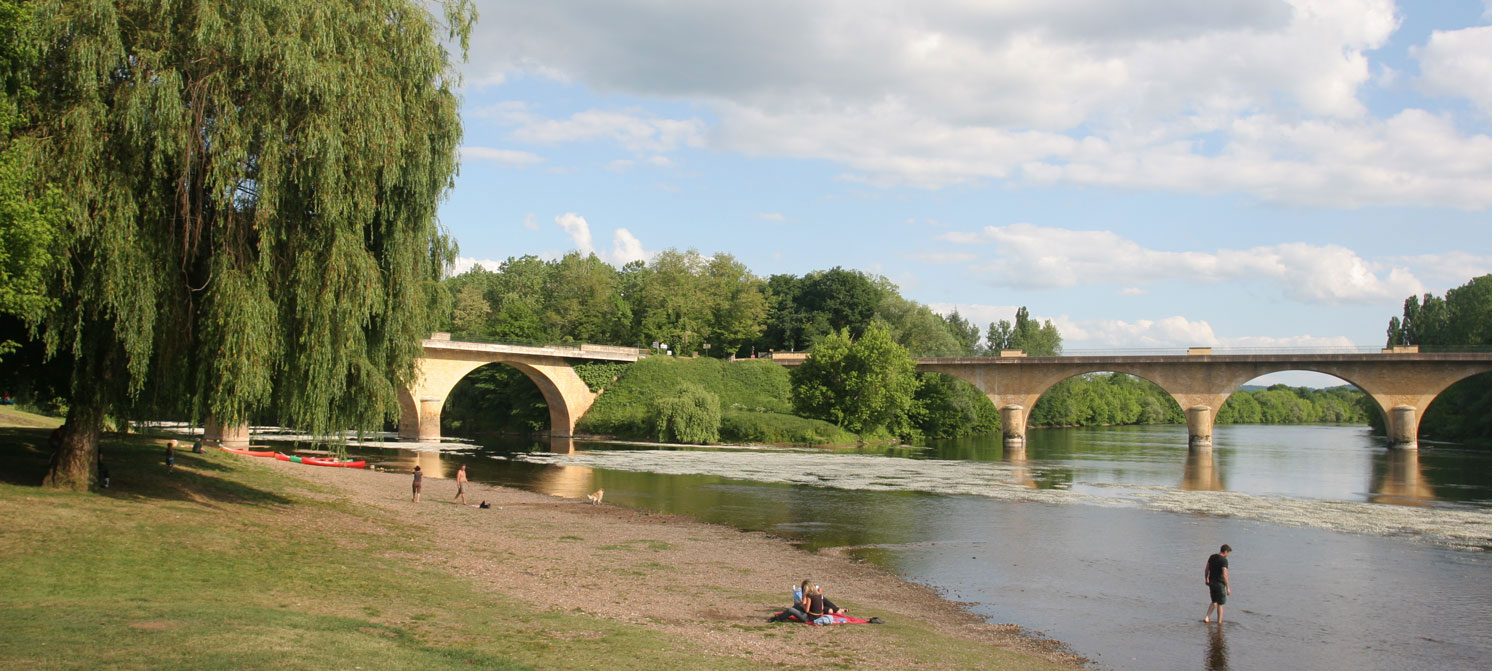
(708, 587)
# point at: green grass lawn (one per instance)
(223, 563)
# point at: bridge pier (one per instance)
(1013, 426)
(1201, 423)
(217, 433)
(1404, 423)
(428, 428)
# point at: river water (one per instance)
(1346, 555)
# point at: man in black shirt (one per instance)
(1218, 577)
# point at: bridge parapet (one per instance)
(582, 351)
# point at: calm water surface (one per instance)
(1081, 535)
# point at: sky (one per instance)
(1143, 173)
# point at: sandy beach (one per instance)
(710, 588)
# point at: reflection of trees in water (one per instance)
(1217, 657)
(1398, 478)
(1199, 471)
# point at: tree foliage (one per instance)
(249, 213)
(689, 415)
(29, 208)
(864, 385)
(1025, 333)
(1461, 319)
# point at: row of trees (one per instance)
(712, 305)
(1461, 319)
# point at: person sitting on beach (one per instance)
(815, 606)
(798, 610)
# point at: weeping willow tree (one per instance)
(251, 194)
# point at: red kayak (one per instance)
(320, 461)
(249, 453)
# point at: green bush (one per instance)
(599, 374)
(690, 415)
(749, 426)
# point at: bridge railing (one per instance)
(525, 342)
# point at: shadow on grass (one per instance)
(137, 470)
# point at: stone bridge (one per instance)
(1402, 381)
(446, 361)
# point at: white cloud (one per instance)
(627, 248)
(529, 222)
(1262, 97)
(464, 263)
(771, 216)
(505, 156)
(1131, 291)
(978, 314)
(633, 129)
(1028, 256)
(1457, 63)
(577, 229)
(1450, 269)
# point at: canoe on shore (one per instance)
(320, 461)
(249, 453)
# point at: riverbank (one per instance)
(237, 561)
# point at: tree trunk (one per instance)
(73, 466)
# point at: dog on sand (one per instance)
(597, 497)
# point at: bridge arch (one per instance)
(422, 405)
(1039, 407)
(1309, 369)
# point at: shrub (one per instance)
(690, 415)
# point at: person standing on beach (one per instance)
(1218, 577)
(463, 480)
(417, 484)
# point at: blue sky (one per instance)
(1145, 173)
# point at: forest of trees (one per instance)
(1459, 320)
(711, 305)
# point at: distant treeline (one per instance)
(1107, 399)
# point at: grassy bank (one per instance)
(755, 405)
(227, 562)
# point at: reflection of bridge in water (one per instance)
(1402, 381)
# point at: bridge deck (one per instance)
(583, 351)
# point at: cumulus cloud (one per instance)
(1457, 63)
(578, 231)
(505, 156)
(625, 247)
(529, 222)
(464, 263)
(1035, 257)
(1239, 96)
